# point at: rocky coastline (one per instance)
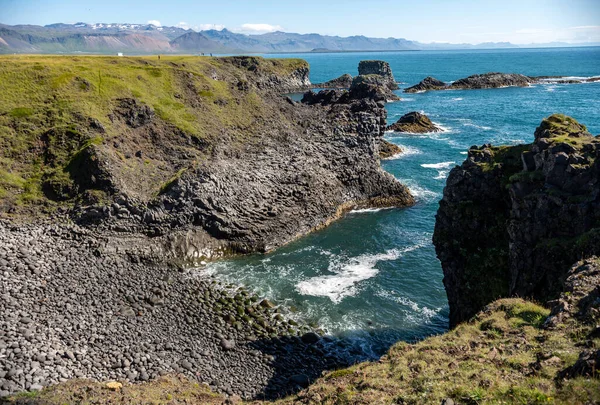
(525, 213)
(104, 287)
(103, 291)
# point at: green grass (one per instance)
(47, 100)
(490, 360)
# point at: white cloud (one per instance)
(258, 28)
(156, 23)
(204, 27)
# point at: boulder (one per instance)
(429, 83)
(388, 149)
(415, 123)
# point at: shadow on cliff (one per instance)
(299, 360)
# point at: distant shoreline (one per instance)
(84, 53)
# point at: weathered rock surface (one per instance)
(512, 219)
(492, 80)
(342, 82)
(379, 68)
(304, 169)
(72, 308)
(429, 83)
(388, 149)
(414, 122)
(373, 87)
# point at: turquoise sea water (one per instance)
(373, 276)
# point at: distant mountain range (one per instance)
(149, 39)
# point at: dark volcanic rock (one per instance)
(492, 80)
(429, 83)
(135, 113)
(342, 82)
(372, 87)
(414, 122)
(379, 68)
(301, 165)
(388, 149)
(513, 219)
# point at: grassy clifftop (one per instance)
(54, 107)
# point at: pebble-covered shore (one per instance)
(69, 310)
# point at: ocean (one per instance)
(372, 278)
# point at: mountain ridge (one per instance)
(108, 38)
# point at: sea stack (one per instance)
(380, 68)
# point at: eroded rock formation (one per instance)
(514, 218)
(414, 122)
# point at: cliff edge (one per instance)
(513, 218)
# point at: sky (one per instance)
(458, 21)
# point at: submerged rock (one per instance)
(513, 218)
(414, 122)
(429, 83)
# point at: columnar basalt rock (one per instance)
(513, 218)
(379, 68)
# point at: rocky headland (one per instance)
(118, 174)
(112, 184)
(415, 123)
(513, 218)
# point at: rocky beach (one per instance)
(125, 178)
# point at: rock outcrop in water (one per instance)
(379, 68)
(483, 81)
(513, 218)
(492, 81)
(415, 123)
(429, 83)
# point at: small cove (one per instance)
(372, 277)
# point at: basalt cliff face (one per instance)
(514, 218)
(202, 156)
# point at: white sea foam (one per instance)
(442, 174)
(407, 99)
(561, 80)
(367, 210)
(457, 99)
(482, 127)
(406, 151)
(422, 194)
(423, 312)
(442, 165)
(347, 274)
(464, 152)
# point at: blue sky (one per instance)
(472, 21)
